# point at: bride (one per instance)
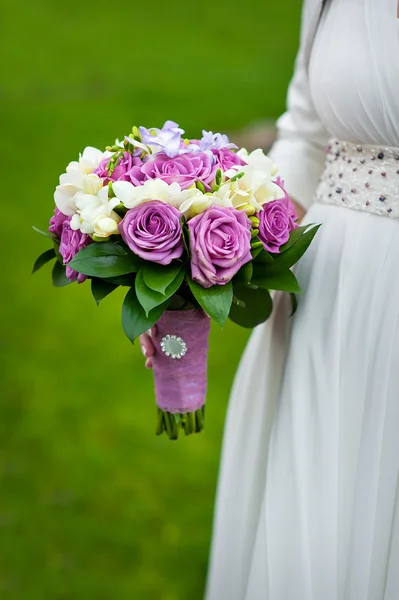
(308, 500)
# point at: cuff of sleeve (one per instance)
(300, 166)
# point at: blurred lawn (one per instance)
(92, 505)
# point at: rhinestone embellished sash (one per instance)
(361, 177)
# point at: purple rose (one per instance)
(226, 159)
(276, 223)
(136, 175)
(220, 243)
(123, 169)
(291, 212)
(153, 231)
(57, 221)
(185, 169)
(71, 242)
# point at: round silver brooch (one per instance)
(173, 346)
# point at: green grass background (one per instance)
(92, 505)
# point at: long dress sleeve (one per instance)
(302, 138)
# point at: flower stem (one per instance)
(170, 423)
(168, 427)
(183, 421)
(191, 420)
(160, 423)
(174, 433)
(199, 421)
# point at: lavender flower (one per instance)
(167, 139)
(214, 141)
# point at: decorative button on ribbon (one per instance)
(173, 346)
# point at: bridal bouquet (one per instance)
(195, 230)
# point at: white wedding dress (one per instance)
(308, 499)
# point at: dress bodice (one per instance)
(354, 71)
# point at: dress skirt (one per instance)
(308, 501)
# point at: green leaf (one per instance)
(294, 237)
(134, 320)
(256, 251)
(261, 271)
(284, 281)
(215, 301)
(290, 257)
(245, 273)
(126, 280)
(158, 277)
(45, 233)
(43, 259)
(100, 288)
(56, 246)
(150, 299)
(59, 277)
(294, 303)
(263, 256)
(105, 260)
(186, 238)
(257, 306)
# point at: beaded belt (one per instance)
(361, 177)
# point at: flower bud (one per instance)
(249, 209)
(106, 226)
(136, 133)
(236, 177)
(254, 220)
(110, 190)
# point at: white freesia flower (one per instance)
(255, 186)
(71, 184)
(199, 203)
(153, 189)
(95, 214)
(258, 160)
(88, 161)
(79, 177)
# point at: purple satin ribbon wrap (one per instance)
(180, 384)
